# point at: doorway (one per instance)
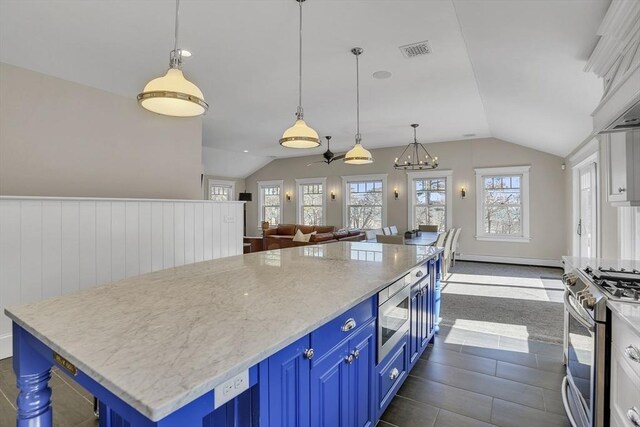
(586, 225)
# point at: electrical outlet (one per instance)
(230, 389)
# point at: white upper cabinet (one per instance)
(623, 168)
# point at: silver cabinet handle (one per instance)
(349, 325)
(356, 353)
(420, 273)
(632, 353)
(308, 353)
(394, 374)
(621, 190)
(349, 359)
(634, 416)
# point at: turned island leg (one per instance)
(33, 372)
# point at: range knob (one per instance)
(569, 279)
(589, 302)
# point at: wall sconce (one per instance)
(333, 195)
(463, 193)
(288, 196)
(395, 193)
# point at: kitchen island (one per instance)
(221, 342)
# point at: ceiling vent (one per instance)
(416, 49)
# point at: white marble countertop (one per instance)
(627, 311)
(160, 340)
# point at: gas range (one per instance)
(618, 284)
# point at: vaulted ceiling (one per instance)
(512, 69)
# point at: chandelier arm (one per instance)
(404, 151)
(429, 156)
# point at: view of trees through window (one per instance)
(220, 193)
(430, 203)
(312, 198)
(364, 204)
(502, 205)
(271, 204)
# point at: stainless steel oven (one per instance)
(393, 316)
(585, 388)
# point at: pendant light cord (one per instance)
(175, 36)
(300, 113)
(358, 137)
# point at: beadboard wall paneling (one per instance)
(55, 246)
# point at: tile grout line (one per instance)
(8, 400)
(72, 388)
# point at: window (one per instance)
(311, 201)
(270, 202)
(503, 204)
(221, 191)
(365, 201)
(430, 198)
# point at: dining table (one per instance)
(424, 238)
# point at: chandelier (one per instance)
(415, 156)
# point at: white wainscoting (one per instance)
(55, 246)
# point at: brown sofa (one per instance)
(281, 236)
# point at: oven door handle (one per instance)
(565, 402)
(574, 313)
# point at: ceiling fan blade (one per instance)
(338, 157)
(319, 161)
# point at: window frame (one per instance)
(306, 181)
(447, 174)
(346, 180)
(481, 173)
(273, 183)
(221, 183)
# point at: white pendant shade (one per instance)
(358, 155)
(173, 95)
(300, 136)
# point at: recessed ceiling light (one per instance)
(245, 151)
(382, 74)
(467, 135)
(185, 53)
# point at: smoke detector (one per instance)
(416, 49)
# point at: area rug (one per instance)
(517, 301)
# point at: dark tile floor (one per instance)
(471, 378)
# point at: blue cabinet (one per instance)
(342, 382)
(289, 385)
(416, 318)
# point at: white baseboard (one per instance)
(511, 260)
(6, 346)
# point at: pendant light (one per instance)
(421, 157)
(172, 94)
(358, 155)
(300, 135)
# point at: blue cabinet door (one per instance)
(289, 386)
(362, 377)
(330, 388)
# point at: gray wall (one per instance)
(59, 138)
(547, 191)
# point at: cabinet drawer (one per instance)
(342, 327)
(623, 336)
(625, 388)
(419, 273)
(391, 374)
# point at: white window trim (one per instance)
(303, 181)
(510, 170)
(221, 182)
(279, 183)
(345, 191)
(447, 174)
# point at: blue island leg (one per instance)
(438, 293)
(33, 372)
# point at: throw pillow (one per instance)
(301, 237)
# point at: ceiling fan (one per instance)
(328, 155)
